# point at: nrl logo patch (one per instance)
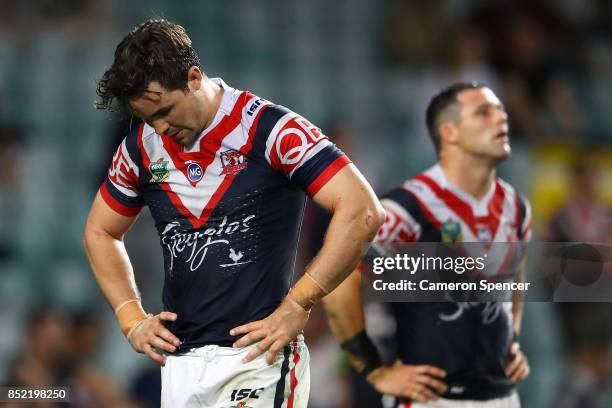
(451, 231)
(159, 171)
(233, 162)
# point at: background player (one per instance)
(483, 361)
(221, 172)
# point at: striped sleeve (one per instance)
(120, 190)
(297, 149)
(400, 225)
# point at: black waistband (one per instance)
(184, 348)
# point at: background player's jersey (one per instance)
(470, 341)
(228, 210)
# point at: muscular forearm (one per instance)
(103, 241)
(350, 231)
(347, 322)
(344, 308)
(111, 266)
(113, 271)
(517, 315)
(517, 301)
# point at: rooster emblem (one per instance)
(235, 256)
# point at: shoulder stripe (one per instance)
(115, 204)
(312, 151)
(327, 174)
(496, 209)
(278, 117)
(146, 161)
(131, 144)
(453, 202)
(252, 109)
(423, 207)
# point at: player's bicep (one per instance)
(103, 219)
(346, 187)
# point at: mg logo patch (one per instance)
(159, 171)
(194, 172)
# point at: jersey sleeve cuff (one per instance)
(327, 174)
(116, 205)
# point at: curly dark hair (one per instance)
(157, 50)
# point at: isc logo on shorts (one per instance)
(244, 393)
(194, 172)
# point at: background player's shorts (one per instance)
(215, 377)
(511, 401)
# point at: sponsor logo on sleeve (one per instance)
(295, 140)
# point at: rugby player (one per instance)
(450, 354)
(223, 173)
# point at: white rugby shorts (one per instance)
(215, 377)
(510, 401)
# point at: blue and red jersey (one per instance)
(469, 340)
(228, 209)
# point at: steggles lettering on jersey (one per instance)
(227, 209)
(427, 208)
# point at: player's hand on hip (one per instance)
(272, 333)
(151, 337)
(420, 383)
(518, 368)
